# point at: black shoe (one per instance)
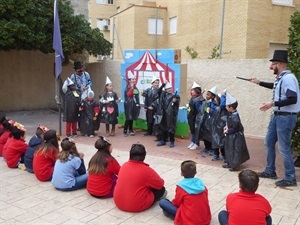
(233, 169)
(226, 165)
(286, 183)
(267, 175)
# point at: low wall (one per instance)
(28, 83)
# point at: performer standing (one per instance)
(151, 94)
(109, 107)
(131, 105)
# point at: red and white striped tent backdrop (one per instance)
(148, 63)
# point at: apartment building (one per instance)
(241, 29)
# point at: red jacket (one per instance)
(132, 192)
(247, 208)
(193, 209)
(3, 138)
(43, 165)
(14, 150)
(101, 184)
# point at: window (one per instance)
(283, 2)
(173, 25)
(100, 1)
(110, 2)
(152, 26)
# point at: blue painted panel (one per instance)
(131, 56)
(165, 55)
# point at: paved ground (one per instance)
(25, 200)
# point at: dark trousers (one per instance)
(113, 126)
(207, 144)
(166, 135)
(218, 150)
(150, 121)
(223, 218)
(158, 193)
(128, 125)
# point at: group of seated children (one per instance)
(134, 186)
(215, 120)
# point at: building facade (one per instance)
(245, 29)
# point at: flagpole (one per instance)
(59, 58)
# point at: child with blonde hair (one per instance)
(69, 171)
(103, 170)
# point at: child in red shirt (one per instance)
(5, 133)
(246, 207)
(103, 170)
(190, 205)
(45, 156)
(16, 148)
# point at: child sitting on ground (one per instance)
(69, 171)
(45, 156)
(190, 205)
(5, 134)
(236, 150)
(103, 170)
(34, 143)
(246, 207)
(16, 147)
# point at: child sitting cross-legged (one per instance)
(190, 205)
(69, 171)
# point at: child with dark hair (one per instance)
(16, 147)
(255, 208)
(190, 205)
(69, 171)
(138, 186)
(109, 108)
(236, 150)
(195, 106)
(2, 119)
(45, 156)
(5, 134)
(34, 142)
(103, 170)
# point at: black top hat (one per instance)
(77, 65)
(280, 56)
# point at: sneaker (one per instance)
(161, 143)
(215, 158)
(194, 147)
(132, 133)
(91, 136)
(211, 152)
(286, 183)
(74, 135)
(171, 144)
(204, 150)
(267, 175)
(69, 135)
(190, 145)
(22, 166)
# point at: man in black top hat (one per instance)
(82, 81)
(286, 105)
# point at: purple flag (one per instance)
(57, 46)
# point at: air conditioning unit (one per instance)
(106, 27)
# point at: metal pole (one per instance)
(57, 99)
(113, 39)
(222, 29)
(156, 22)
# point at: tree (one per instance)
(28, 25)
(294, 65)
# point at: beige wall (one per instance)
(29, 83)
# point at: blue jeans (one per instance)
(195, 140)
(168, 208)
(223, 218)
(80, 182)
(280, 129)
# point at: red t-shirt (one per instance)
(3, 139)
(43, 164)
(15, 148)
(101, 184)
(132, 192)
(192, 208)
(247, 208)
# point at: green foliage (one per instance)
(28, 25)
(192, 52)
(215, 52)
(294, 65)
